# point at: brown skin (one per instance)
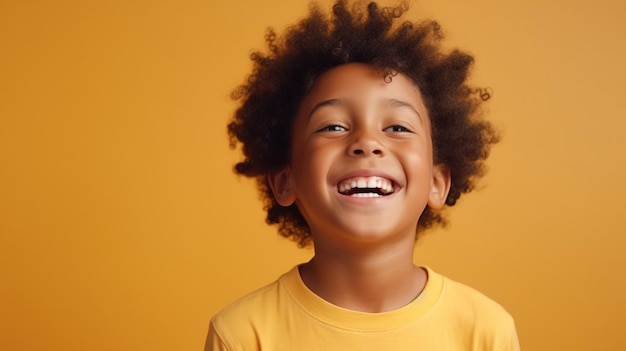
(355, 127)
(375, 282)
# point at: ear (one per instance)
(439, 187)
(282, 187)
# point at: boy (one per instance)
(359, 129)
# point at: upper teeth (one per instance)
(385, 185)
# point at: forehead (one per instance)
(362, 83)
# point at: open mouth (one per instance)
(366, 187)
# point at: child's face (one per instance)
(361, 164)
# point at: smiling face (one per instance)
(361, 167)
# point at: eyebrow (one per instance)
(331, 102)
(400, 103)
(395, 103)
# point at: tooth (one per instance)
(372, 183)
(365, 195)
(362, 183)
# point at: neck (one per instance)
(376, 280)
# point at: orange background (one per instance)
(123, 228)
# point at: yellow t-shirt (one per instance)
(286, 315)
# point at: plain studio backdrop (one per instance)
(122, 226)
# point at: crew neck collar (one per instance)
(343, 318)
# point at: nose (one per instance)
(365, 144)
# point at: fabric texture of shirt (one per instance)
(286, 315)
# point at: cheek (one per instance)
(313, 165)
(316, 159)
(415, 149)
(417, 161)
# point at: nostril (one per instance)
(361, 152)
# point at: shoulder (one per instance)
(452, 292)
(239, 324)
(472, 301)
(479, 317)
(249, 306)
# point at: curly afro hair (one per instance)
(369, 34)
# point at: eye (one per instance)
(398, 129)
(332, 128)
